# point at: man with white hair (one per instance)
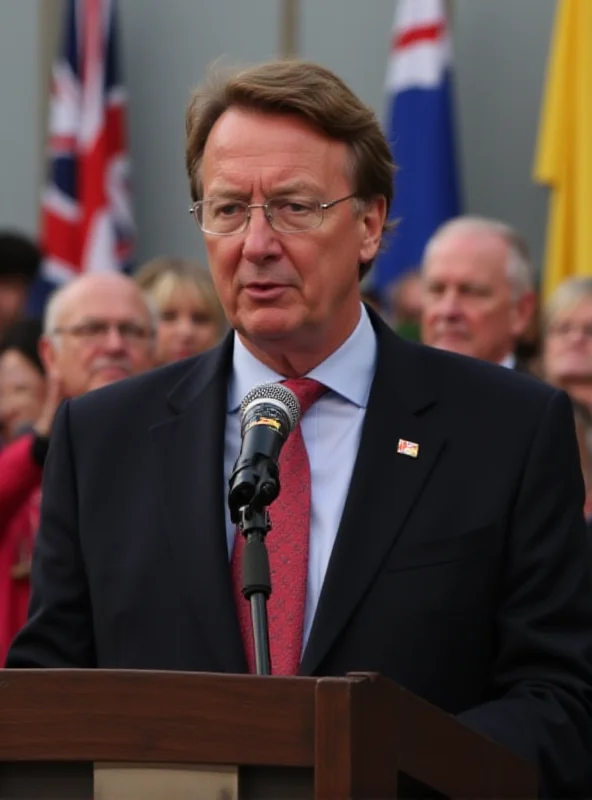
(97, 330)
(479, 296)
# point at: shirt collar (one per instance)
(348, 371)
(509, 361)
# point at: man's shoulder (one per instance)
(464, 379)
(429, 372)
(484, 374)
(139, 395)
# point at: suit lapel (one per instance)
(189, 449)
(384, 488)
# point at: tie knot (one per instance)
(307, 390)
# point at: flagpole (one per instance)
(289, 28)
(50, 15)
(449, 4)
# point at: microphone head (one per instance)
(277, 394)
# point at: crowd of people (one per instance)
(474, 294)
(96, 329)
(434, 529)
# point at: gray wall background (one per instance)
(500, 49)
(20, 119)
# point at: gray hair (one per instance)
(519, 267)
(53, 311)
(54, 308)
(566, 296)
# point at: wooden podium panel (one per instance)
(127, 734)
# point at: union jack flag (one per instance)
(87, 222)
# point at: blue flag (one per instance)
(420, 133)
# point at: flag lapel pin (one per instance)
(406, 448)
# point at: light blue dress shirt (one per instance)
(331, 430)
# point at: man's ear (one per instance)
(47, 353)
(524, 309)
(372, 218)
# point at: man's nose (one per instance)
(448, 304)
(114, 341)
(261, 242)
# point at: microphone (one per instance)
(269, 413)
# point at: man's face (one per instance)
(104, 334)
(568, 344)
(287, 291)
(467, 301)
(13, 296)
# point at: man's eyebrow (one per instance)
(295, 187)
(225, 192)
(288, 188)
(88, 318)
(101, 320)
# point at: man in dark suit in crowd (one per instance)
(98, 329)
(479, 293)
(445, 539)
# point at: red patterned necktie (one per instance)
(287, 544)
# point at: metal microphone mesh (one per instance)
(276, 393)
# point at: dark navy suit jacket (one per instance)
(462, 574)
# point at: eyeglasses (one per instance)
(224, 217)
(97, 331)
(562, 329)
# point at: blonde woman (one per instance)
(190, 318)
(567, 355)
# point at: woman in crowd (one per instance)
(567, 363)
(22, 378)
(567, 350)
(22, 400)
(190, 318)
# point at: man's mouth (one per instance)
(264, 291)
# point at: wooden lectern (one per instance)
(126, 735)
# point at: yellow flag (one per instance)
(564, 149)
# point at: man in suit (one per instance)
(98, 329)
(479, 295)
(447, 541)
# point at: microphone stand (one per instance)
(262, 487)
(254, 525)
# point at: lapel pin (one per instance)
(406, 448)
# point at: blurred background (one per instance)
(500, 51)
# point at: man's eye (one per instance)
(131, 330)
(227, 209)
(92, 328)
(287, 206)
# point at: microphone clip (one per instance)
(255, 484)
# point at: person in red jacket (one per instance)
(97, 329)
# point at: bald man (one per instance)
(479, 296)
(98, 329)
